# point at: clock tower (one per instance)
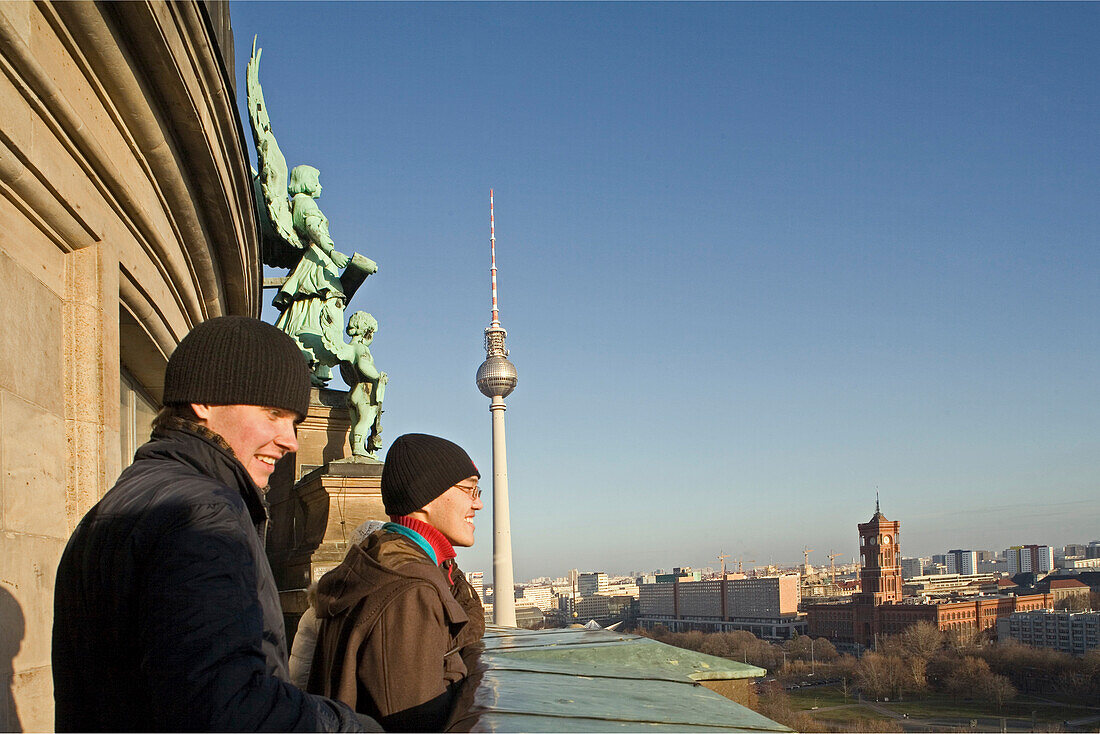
(880, 572)
(879, 576)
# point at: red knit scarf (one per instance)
(444, 551)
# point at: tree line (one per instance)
(918, 662)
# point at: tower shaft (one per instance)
(504, 597)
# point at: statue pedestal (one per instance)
(323, 510)
(317, 498)
(322, 437)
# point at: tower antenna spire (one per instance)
(876, 502)
(495, 321)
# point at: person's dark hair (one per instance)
(173, 412)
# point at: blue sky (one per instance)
(756, 261)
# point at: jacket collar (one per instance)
(208, 453)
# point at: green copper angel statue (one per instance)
(368, 384)
(295, 235)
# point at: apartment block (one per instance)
(962, 561)
(540, 595)
(1030, 559)
(1072, 632)
(911, 567)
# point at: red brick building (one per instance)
(879, 609)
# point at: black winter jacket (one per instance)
(166, 615)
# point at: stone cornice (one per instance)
(158, 141)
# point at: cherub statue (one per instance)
(294, 235)
(368, 385)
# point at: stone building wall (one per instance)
(125, 219)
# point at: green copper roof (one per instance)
(596, 680)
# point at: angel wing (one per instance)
(332, 320)
(349, 374)
(280, 245)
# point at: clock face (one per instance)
(886, 540)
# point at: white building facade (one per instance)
(911, 567)
(963, 562)
(1030, 559)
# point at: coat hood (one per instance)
(384, 558)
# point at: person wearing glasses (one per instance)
(398, 619)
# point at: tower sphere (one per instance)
(497, 376)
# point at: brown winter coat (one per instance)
(394, 631)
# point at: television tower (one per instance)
(496, 378)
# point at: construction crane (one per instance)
(806, 558)
(832, 567)
(722, 557)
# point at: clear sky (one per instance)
(756, 261)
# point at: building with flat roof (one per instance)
(766, 606)
(621, 587)
(1029, 559)
(1080, 563)
(1071, 632)
(911, 567)
(962, 561)
(540, 595)
(952, 583)
(1074, 550)
(590, 584)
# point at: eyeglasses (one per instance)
(474, 491)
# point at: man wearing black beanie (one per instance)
(166, 615)
(399, 621)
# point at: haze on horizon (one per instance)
(756, 261)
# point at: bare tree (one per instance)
(968, 679)
(963, 639)
(824, 650)
(880, 675)
(998, 689)
(922, 639)
(846, 668)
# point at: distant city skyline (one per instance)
(823, 563)
(757, 261)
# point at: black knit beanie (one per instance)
(419, 468)
(237, 360)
